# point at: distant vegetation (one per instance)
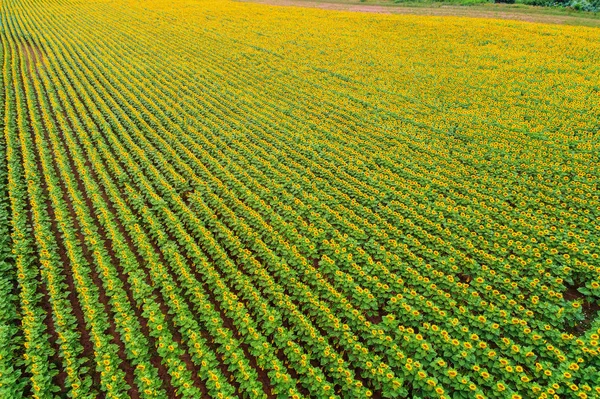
(579, 5)
(583, 5)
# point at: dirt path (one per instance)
(497, 11)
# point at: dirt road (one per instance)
(501, 11)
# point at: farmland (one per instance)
(221, 199)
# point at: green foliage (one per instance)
(196, 199)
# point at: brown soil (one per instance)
(31, 52)
(155, 358)
(124, 365)
(589, 307)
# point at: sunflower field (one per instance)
(220, 199)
